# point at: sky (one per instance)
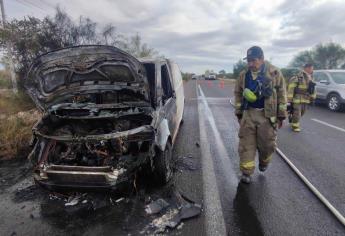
(208, 34)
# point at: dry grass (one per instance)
(5, 82)
(17, 117)
(13, 103)
(15, 133)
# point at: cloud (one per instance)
(309, 24)
(205, 34)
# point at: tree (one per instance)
(302, 58)
(222, 72)
(186, 75)
(289, 72)
(238, 67)
(322, 56)
(136, 47)
(31, 37)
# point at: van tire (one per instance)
(333, 102)
(163, 165)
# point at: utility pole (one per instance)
(9, 51)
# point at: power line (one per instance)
(9, 51)
(30, 5)
(48, 4)
(34, 5)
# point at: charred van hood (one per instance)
(63, 74)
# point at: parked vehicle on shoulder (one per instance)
(106, 115)
(211, 76)
(330, 88)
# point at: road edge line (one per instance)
(213, 227)
(328, 124)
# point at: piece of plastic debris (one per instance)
(156, 206)
(84, 201)
(189, 210)
(167, 220)
(173, 217)
(72, 201)
(119, 200)
(179, 227)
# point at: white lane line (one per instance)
(335, 212)
(213, 98)
(223, 154)
(231, 101)
(329, 125)
(214, 219)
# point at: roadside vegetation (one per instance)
(17, 115)
(322, 56)
(5, 82)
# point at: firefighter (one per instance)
(260, 100)
(301, 92)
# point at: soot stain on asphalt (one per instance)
(245, 215)
(124, 213)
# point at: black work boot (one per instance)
(262, 168)
(246, 179)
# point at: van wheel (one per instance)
(333, 102)
(163, 165)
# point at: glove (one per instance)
(280, 122)
(239, 117)
(289, 107)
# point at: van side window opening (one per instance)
(166, 84)
(177, 78)
(151, 77)
(320, 76)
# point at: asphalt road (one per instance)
(276, 203)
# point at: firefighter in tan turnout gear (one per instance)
(260, 100)
(301, 92)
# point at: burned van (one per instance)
(106, 115)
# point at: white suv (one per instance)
(330, 87)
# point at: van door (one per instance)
(178, 89)
(321, 88)
(168, 99)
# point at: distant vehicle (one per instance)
(211, 76)
(330, 88)
(107, 114)
(194, 77)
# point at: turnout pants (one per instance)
(298, 112)
(256, 133)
